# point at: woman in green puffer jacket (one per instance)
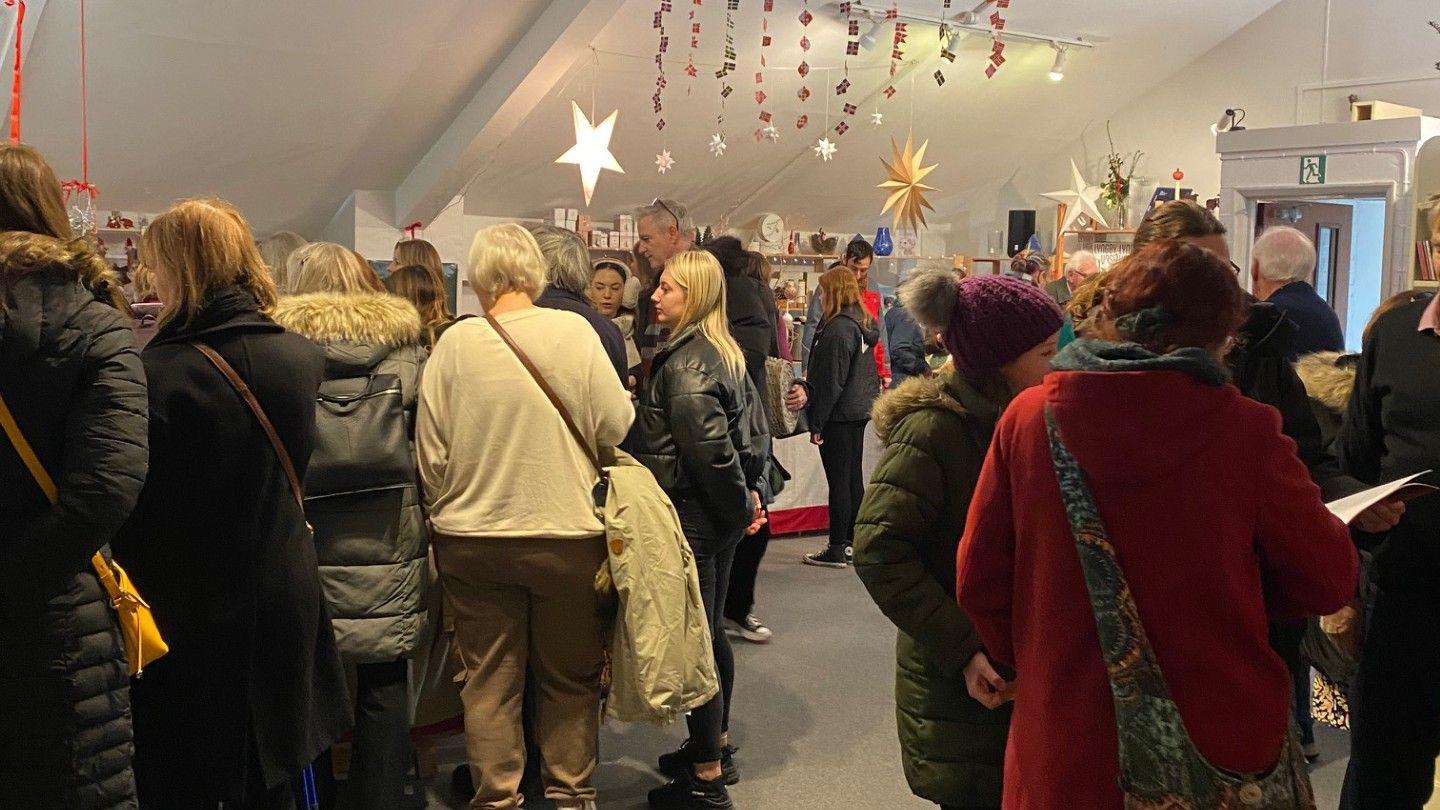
(1001, 334)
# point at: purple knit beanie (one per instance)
(985, 321)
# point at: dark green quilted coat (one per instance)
(936, 432)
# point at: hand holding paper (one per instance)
(1386, 498)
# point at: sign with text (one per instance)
(1312, 170)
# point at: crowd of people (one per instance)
(1098, 521)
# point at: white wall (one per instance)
(1262, 69)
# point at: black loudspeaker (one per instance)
(1022, 227)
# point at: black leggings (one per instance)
(842, 454)
(713, 558)
(740, 597)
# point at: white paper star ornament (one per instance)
(1079, 199)
(718, 145)
(663, 162)
(877, 118)
(591, 151)
(824, 149)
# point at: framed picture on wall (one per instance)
(1164, 194)
(449, 269)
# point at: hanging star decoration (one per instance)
(771, 133)
(907, 189)
(591, 151)
(877, 118)
(718, 145)
(1080, 199)
(824, 149)
(663, 161)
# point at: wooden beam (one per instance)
(538, 61)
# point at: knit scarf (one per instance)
(1101, 355)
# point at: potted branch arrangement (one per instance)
(1116, 190)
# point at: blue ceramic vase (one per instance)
(883, 246)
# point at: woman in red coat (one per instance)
(1214, 520)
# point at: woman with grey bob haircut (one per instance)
(567, 277)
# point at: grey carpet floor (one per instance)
(814, 709)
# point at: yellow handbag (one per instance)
(143, 643)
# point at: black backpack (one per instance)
(362, 442)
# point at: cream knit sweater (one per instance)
(496, 460)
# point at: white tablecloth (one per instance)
(802, 507)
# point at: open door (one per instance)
(1329, 226)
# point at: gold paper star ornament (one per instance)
(591, 151)
(907, 191)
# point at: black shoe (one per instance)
(462, 783)
(749, 628)
(831, 557)
(676, 764)
(691, 793)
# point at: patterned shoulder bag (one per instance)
(1160, 768)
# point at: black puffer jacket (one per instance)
(70, 375)
(372, 545)
(841, 373)
(1263, 373)
(701, 431)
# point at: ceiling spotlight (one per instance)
(1229, 122)
(954, 41)
(972, 17)
(867, 41)
(1057, 70)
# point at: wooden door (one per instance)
(1329, 226)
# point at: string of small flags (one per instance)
(694, 43)
(997, 45)
(767, 127)
(945, 34)
(852, 48)
(663, 161)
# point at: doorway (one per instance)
(1349, 238)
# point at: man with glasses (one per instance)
(665, 229)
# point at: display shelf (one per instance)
(1422, 284)
(1102, 231)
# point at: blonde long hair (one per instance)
(699, 274)
(838, 290)
(328, 267)
(202, 245)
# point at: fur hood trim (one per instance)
(915, 394)
(375, 318)
(1327, 381)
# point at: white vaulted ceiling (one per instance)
(287, 107)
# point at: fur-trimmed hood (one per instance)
(1329, 378)
(915, 394)
(372, 318)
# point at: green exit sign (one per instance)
(1312, 170)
